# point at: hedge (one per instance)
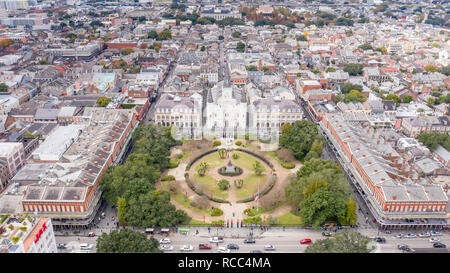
(188, 166)
(258, 156)
(261, 193)
(168, 178)
(199, 192)
(288, 165)
(173, 165)
(216, 212)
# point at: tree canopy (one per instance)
(103, 101)
(347, 241)
(349, 86)
(433, 139)
(321, 193)
(298, 137)
(126, 241)
(354, 69)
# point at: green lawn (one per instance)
(213, 161)
(250, 186)
(185, 154)
(180, 199)
(289, 219)
(194, 222)
(209, 186)
(246, 161)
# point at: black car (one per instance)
(379, 240)
(439, 245)
(249, 241)
(232, 246)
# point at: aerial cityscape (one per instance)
(224, 126)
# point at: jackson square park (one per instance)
(215, 185)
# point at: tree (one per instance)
(331, 69)
(121, 207)
(350, 213)
(354, 95)
(365, 46)
(157, 46)
(407, 99)
(236, 34)
(203, 48)
(164, 35)
(323, 205)
(3, 87)
(445, 70)
(431, 101)
(221, 37)
(252, 68)
(258, 168)
(239, 183)
(103, 101)
(126, 241)
(354, 69)
(152, 35)
(203, 167)
(433, 139)
(430, 68)
(349, 86)
(222, 153)
(347, 241)
(240, 47)
(301, 38)
(298, 137)
(127, 51)
(153, 209)
(223, 184)
(317, 146)
(393, 97)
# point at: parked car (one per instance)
(204, 246)
(269, 247)
(249, 241)
(256, 251)
(424, 234)
(379, 240)
(305, 241)
(232, 246)
(434, 240)
(411, 235)
(216, 240)
(400, 236)
(388, 232)
(165, 241)
(439, 245)
(436, 233)
(326, 233)
(186, 248)
(223, 249)
(91, 234)
(85, 246)
(404, 247)
(62, 246)
(166, 247)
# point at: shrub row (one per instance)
(288, 165)
(173, 165)
(257, 156)
(188, 166)
(199, 192)
(261, 193)
(216, 212)
(168, 178)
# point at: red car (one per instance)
(204, 246)
(305, 241)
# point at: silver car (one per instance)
(186, 248)
(269, 247)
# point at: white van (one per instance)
(85, 246)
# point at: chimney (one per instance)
(100, 156)
(75, 197)
(112, 136)
(117, 131)
(394, 197)
(95, 163)
(105, 149)
(85, 180)
(90, 171)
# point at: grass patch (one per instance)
(213, 161)
(179, 158)
(289, 219)
(194, 222)
(246, 161)
(209, 186)
(180, 199)
(250, 185)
